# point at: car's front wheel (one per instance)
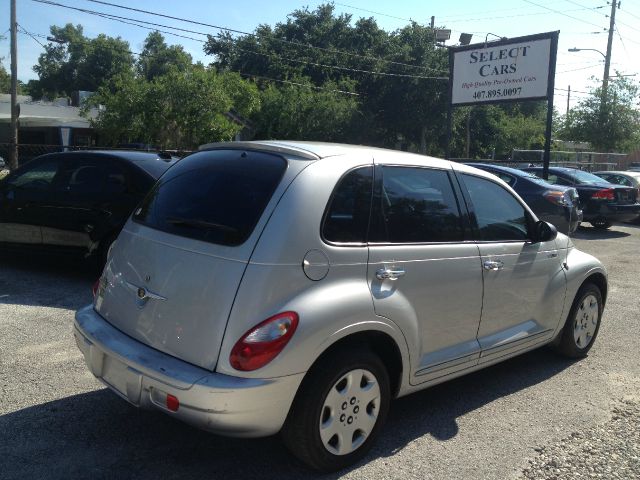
(339, 410)
(583, 322)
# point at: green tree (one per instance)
(5, 80)
(305, 113)
(158, 58)
(344, 53)
(180, 109)
(610, 124)
(79, 63)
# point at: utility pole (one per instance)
(433, 21)
(568, 97)
(607, 58)
(13, 134)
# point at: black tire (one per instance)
(601, 224)
(301, 432)
(568, 345)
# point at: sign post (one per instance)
(510, 70)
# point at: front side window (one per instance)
(215, 196)
(500, 217)
(347, 216)
(417, 205)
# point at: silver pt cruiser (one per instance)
(295, 287)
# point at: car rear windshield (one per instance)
(216, 196)
(586, 178)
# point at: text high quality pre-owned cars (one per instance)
(265, 287)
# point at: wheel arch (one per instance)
(600, 281)
(380, 343)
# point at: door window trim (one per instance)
(330, 203)
(472, 215)
(377, 197)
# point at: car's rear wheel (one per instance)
(583, 323)
(601, 224)
(339, 410)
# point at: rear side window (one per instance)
(347, 216)
(417, 205)
(215, 196)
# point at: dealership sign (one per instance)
(507, 70)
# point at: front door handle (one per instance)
(494, 265)
(389, 274)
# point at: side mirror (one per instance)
(544, 232)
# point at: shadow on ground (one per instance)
(45, 280)
(591, 233)
(97, 435)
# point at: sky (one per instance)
(582, 24)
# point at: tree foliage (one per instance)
(611, 123)
(400, 77)
(179, 109)
(78, 62)
(157, 58)
(303, 113)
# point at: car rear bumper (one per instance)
(612, 213)
(233, 406)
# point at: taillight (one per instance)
(95, 287)
(264, 342)
(604, 194)
(558, 197)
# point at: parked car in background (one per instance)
(634, 167)
(299, 287)
(75, 201)
(555, 204)
(625, 178)
(602, 203)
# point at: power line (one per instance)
(337, 67)
(218, 27)
(32, 36)
(562, 13)
(588, 8)
(315, 87)
(581, 68)
(519, 15)
(572, 91)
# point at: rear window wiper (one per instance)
(196, 223)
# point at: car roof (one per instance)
(619, 172)
(308, 150)
(305, 149)
(152, 163)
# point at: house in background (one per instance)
(44, 126)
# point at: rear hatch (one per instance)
(175, 268)
(625, 195)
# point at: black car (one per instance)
(75, 201)
(552, 203)
(602, 202)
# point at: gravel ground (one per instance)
(535, 416)
(609, 451)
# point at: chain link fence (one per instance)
(589, 161)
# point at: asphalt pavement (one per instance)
(535, 416)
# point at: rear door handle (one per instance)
(494, 265)
(389, 274)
